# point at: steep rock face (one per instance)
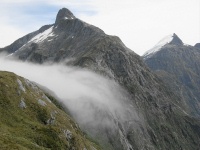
(162, 123)
(176, 40)
(32, 119)
(179, 66)
(64, 14)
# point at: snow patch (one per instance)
(158, 46)
(42, 36)
(66, 18)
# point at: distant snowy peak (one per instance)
(170, 39)
(158, 46)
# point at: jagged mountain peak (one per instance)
(179, 66)
(64, 13)
(170, 39)
(159, 45)
(176, 40)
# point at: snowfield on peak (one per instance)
(158, 46)
(42, 36)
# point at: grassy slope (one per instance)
(28, 128)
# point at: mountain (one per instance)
(170, 39)
(153, 118)
(178, 65)
(197, 45)
(64, 39)
(32, 119)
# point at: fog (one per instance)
(94, 101)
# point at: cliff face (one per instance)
(178, 66)
(32, 119)
(161, 122)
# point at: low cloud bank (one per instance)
(95, 102)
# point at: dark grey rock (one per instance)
(176, 40)
(64, 13)
(197, 45)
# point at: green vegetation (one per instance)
(33, 125)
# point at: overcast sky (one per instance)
(139, 23)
